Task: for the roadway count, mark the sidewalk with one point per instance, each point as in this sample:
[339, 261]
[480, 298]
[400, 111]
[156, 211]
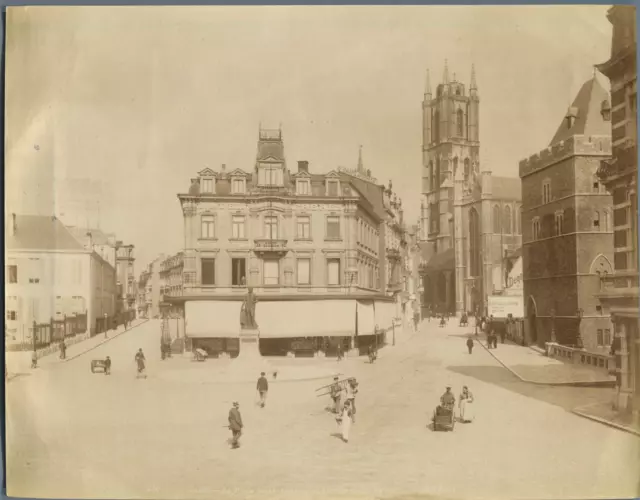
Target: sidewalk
[531, 366]
[19, 362]
[605, 414]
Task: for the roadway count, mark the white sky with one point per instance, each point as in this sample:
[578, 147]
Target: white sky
[141, 98]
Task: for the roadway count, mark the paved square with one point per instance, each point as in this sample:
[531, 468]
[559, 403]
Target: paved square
[74, 434]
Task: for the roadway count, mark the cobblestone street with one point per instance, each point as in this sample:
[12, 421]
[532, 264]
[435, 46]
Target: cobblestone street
[74, 434]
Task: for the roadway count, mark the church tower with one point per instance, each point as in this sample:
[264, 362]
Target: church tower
[450, 153]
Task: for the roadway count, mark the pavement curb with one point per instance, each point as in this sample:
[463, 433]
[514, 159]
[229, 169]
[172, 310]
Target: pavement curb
[104, 341]
[578, 411]
[535, 382]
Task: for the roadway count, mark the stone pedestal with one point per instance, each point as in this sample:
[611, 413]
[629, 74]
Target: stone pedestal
[249, 346]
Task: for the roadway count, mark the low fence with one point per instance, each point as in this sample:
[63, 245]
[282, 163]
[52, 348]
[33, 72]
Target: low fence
[43, 335]
[602, 362]
[106, 323]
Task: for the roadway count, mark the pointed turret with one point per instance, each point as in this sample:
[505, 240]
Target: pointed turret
[427, 88]
[473, 87]
[360, 164]
[445, 77]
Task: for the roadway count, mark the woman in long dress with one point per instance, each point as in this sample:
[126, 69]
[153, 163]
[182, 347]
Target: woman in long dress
[466, 406]
[345, 420]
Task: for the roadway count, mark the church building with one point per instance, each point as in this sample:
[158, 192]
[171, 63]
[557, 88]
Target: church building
[470, 219]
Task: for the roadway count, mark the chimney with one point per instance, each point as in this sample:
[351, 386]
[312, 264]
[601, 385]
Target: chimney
[14, 224]
[303, 166]
[224, 167]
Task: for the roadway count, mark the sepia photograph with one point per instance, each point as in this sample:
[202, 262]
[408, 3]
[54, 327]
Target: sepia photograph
[321, 252]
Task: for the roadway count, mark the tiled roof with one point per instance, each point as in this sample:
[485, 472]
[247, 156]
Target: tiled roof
[588, 120]
[40, 232]
[506, 188]
[370, 191]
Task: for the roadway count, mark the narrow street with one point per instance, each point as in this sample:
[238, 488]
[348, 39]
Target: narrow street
[163, 435]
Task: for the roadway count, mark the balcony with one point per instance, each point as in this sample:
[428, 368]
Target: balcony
[619, 284]
[393, 254]
[264, 246]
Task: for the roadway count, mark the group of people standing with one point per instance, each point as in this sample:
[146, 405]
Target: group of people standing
[466, 412]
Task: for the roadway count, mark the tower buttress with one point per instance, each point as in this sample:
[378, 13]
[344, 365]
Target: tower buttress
[474, 108]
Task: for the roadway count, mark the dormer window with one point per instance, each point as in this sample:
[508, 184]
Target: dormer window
[333, 187]
[207, 184]
[303, 187]
[270, 175]
[238, 185]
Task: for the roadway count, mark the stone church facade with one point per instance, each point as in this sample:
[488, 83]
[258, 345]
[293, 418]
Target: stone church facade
[470, 219]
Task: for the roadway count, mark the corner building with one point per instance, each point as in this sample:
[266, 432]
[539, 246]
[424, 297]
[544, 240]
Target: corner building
[619, 294]
[312, 247]
[470, 219]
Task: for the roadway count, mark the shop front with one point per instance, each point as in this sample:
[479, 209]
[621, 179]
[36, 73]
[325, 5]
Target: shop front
[213, 326]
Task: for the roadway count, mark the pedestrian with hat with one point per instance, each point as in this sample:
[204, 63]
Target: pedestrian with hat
[336, 392]
[235, 425]
[262, 388]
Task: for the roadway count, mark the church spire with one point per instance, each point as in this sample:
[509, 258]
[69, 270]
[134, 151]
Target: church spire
[360, 165]
[474, 86]
[427, 87]
[445, 78]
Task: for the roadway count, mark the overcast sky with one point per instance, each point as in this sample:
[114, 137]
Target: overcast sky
[140, 99]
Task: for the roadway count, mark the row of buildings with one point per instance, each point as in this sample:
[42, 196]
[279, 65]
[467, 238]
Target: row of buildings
[54, 271]
[327, 254]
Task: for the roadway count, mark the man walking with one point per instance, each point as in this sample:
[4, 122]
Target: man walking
[339, 349]
[63, 350]
[262, 387]
[107, 366]
[470, 345]
[235, 425]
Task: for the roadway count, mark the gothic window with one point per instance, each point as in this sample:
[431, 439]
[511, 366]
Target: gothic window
[507, 219]
[436, 127]
[496, 220]
[460, 123]
[474, 243]
[605, 220]
[466, 169]
[559, 222]
[546, 192]
[535, 229]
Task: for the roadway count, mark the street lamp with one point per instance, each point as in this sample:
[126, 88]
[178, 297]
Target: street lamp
[106, 330]
[553, 325]
[579, 314]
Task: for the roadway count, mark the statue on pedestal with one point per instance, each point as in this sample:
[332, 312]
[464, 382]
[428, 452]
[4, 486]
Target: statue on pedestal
[248, 311]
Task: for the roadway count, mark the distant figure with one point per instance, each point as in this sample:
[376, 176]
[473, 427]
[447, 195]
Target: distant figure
[502, 336]
[339, 351]
[235, 425]
[335, 392]
[470, 345]
[63, 350]
[140, 359]
[442, 321]
[34, 359]
[416, 319]
[466, 405]
[345, 419]
[107, 366]
[263, 388]
[350, 396]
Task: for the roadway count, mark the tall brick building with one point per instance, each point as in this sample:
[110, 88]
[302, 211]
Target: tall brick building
[470, 219]
[619, 294]
[568, 237]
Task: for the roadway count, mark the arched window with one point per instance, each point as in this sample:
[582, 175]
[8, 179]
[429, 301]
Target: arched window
[507, 220]
[436, 127]
[460, 123]
[596, 221]
[605, 220]
[496, 220]
[466, 169]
